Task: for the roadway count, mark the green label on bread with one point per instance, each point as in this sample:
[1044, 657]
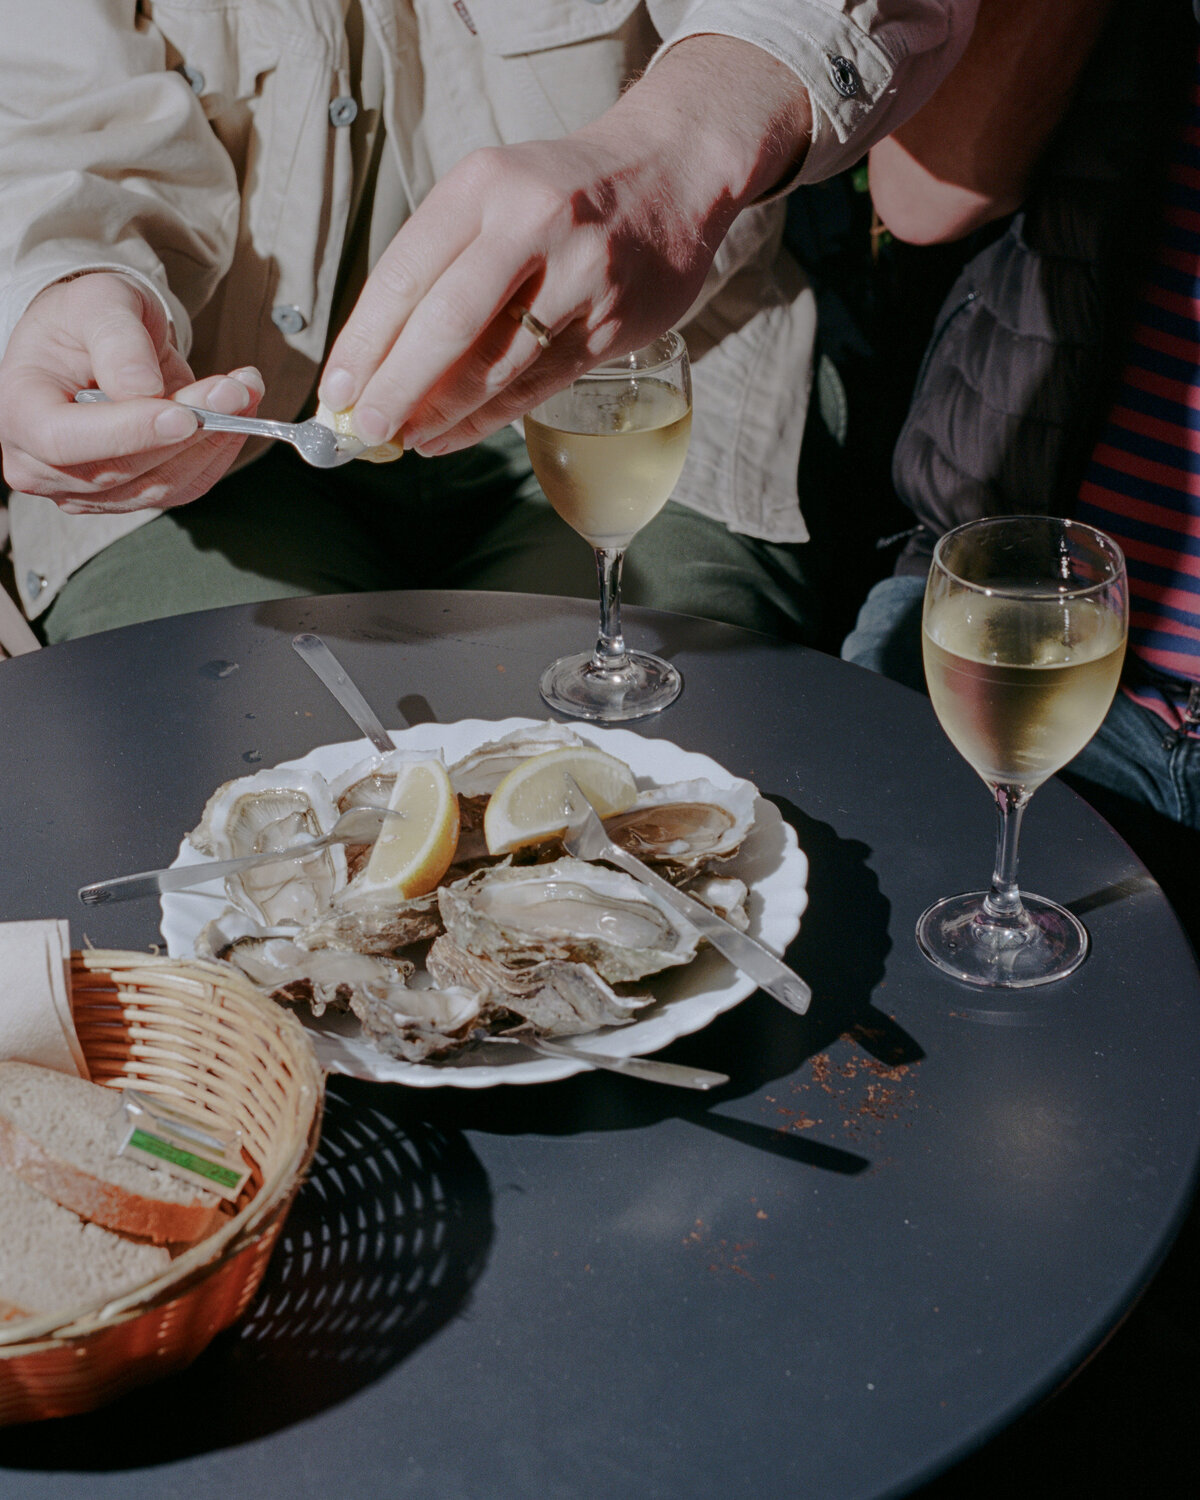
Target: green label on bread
[167, 1151]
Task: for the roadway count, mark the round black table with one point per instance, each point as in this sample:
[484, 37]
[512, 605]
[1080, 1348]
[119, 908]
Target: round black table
[908, 1218]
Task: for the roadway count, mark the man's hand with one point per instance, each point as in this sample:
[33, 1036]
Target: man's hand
[605, 237]
[138, 449]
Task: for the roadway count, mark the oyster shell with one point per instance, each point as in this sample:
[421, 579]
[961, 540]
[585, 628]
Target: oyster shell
[724, 894]
[477, 775]
[369, 783]
[554, 996]
[417, 1024]
[568, 910]
[274, 961]
[272, 810]
[365, 922]
[480, 771]
[686, 825]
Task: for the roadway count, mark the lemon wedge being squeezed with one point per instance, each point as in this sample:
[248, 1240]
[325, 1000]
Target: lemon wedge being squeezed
[415, 850]
[342, 422]
[533, 802]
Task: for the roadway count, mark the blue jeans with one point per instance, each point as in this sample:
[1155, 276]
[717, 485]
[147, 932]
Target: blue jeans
[1133, 754]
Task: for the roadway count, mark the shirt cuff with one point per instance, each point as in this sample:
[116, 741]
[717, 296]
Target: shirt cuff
[18, 294]
[862, 84]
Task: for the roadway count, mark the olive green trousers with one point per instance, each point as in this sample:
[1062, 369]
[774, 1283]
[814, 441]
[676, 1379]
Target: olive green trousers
[471, 520]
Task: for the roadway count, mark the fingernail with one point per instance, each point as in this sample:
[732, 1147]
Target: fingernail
[228, 396]
[174, 424]
[337, 389]
[371, 424]
[250, 378]
[433, 448]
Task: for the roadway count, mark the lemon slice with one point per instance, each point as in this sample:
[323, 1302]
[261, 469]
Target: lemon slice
[413, 852]
[533, 802]
[342, 422]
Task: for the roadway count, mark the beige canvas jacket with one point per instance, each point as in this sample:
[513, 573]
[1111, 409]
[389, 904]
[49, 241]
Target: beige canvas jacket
[206, 147]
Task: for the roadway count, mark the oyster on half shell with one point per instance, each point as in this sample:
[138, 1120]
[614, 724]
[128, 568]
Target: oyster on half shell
[269, 811]
[686, 826]
[554, 996]
[567, 910]
[372, 922]
[480, 771]
[417, 1024]
[273, 960]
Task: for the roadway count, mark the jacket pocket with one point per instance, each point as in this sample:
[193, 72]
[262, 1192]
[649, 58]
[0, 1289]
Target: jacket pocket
[511, 28]
[222, 50]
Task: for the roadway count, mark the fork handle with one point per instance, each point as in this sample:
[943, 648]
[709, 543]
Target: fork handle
[180, 877]
[218, 421]
[215, 420]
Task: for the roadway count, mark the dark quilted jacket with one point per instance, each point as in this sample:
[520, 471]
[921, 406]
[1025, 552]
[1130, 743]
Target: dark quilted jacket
[1020, 369]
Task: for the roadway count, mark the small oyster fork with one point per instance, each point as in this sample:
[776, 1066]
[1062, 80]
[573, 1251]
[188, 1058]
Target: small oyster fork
[316, 444]
[587, 838]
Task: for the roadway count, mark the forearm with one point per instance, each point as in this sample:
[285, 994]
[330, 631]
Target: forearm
[966, 157]
[729, 122]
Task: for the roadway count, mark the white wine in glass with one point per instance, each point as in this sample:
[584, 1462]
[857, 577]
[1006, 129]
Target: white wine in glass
[1023, 634]
[608, 451]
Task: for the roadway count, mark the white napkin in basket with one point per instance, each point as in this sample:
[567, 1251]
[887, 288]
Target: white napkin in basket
[36, 1025]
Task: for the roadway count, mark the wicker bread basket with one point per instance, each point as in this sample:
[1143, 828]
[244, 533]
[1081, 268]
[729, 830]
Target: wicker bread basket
[197, 1034]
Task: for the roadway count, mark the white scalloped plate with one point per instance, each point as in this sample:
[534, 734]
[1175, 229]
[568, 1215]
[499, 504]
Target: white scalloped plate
[686, 999]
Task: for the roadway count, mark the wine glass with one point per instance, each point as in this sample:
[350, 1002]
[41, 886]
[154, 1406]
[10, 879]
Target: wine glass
[1023, 634]
[607, 450]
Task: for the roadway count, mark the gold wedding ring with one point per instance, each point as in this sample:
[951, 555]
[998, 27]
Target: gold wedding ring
[531, 324]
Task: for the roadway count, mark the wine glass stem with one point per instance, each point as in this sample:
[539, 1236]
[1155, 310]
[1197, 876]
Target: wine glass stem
[610, 654]
[1003, 902]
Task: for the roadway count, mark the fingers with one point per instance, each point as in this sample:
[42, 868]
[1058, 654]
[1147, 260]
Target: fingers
[436, 341]
[123, 354]
[494, 385]
[103, 457]
[52, 429]
[516, 398]
[120, 326]
[404, 274]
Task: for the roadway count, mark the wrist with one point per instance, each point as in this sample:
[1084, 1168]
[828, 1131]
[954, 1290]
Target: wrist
[733, 121]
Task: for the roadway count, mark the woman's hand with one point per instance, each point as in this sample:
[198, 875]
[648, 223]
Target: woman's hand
[605, 237]
[139, 449]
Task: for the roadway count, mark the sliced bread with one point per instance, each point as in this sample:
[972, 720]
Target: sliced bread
[56, 1135]
[51, 1259]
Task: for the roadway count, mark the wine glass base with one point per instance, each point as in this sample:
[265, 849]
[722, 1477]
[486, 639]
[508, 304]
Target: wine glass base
[960, 937]
[576, 687]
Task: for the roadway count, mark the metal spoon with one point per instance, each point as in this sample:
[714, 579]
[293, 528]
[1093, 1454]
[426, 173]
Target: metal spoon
[313, 650]
[357, 825]
[316, 444]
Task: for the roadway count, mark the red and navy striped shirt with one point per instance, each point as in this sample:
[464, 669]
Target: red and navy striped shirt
[1142, 485]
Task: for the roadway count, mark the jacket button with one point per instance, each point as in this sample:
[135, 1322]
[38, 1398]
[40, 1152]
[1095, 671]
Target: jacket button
[845, 76]
[195, 77]
[34, 584]
[343, 111]
[288, 319]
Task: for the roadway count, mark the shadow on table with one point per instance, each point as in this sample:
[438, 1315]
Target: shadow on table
[382, 1247]
[661, 631]
[840, 950]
